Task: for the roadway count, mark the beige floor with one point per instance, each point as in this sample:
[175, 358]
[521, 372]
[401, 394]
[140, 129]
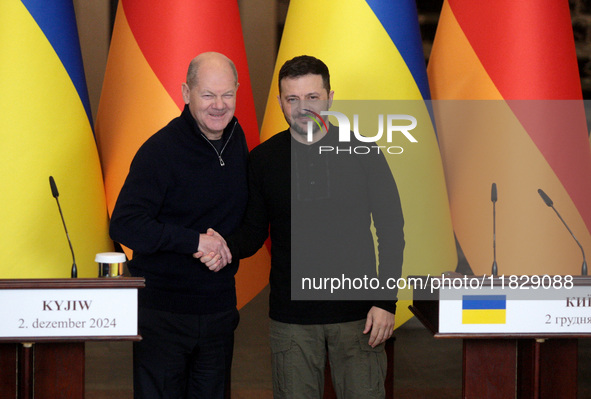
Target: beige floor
[424, 367]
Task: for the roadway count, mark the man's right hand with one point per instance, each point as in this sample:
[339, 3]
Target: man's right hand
[213, 250]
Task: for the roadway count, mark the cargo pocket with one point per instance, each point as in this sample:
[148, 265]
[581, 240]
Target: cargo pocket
[372, 369]
[281, 363]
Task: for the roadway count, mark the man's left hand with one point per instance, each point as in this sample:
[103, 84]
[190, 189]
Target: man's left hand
[381, 324]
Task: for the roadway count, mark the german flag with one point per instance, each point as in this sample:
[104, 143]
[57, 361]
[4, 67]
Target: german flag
[152, 44]
[509, 111]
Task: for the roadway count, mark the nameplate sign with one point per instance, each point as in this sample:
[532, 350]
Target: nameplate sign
[67, 313]
[516, 309]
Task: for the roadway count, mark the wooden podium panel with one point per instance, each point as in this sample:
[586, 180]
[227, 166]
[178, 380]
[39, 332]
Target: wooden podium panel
[55, 317]
[57, 370]
[489, 368]
[8, 370]
[508, 358]
[549, 368]
[519, 368]
[58, 367]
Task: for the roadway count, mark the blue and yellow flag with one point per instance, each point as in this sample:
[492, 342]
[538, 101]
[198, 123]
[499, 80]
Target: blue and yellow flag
[373, 51]
[46, 130]
[484, 309]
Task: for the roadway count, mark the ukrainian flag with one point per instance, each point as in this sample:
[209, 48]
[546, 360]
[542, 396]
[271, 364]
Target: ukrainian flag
[46, 129]
[373, 51]
[152, 44]
[484, 309]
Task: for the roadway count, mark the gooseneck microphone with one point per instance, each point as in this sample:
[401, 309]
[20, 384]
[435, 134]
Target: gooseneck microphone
[549, 202]
[56, 194]
[493, 198]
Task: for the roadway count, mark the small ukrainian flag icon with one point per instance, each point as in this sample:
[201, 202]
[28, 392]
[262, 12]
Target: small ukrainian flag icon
[484, 309]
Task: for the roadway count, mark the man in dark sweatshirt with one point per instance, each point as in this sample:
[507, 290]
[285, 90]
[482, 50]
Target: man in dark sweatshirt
[189, 176]
[318, 207]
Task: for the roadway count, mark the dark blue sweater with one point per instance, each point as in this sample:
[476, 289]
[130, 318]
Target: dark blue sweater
[177, 187]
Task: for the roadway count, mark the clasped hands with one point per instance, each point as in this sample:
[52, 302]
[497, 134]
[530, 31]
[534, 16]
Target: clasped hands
[213, 251]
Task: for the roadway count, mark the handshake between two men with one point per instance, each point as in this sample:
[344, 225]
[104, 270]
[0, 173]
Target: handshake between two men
[213, 250]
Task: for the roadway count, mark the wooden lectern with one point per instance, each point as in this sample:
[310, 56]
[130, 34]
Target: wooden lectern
[45, 324]
[520, 333]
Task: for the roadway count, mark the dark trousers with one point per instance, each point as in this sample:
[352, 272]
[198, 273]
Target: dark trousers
[299, 354]
[183, 356]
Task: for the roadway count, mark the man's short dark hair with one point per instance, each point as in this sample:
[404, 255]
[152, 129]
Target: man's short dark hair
[304, 65]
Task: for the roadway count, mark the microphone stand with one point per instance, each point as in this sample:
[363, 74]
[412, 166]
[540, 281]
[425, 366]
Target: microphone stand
[493, 197]
[55, 193]
[550, 203]
[584, 266]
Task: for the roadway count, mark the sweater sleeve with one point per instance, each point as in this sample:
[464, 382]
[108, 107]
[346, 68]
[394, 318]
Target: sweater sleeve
[388, 221]
[254, 229]
[134, 221]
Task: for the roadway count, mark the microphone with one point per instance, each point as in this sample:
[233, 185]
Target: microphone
[549, 202]
[493, 198]
[55, 193]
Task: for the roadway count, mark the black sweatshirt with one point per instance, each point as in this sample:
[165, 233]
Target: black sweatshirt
[320, 217]
[178, 186]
